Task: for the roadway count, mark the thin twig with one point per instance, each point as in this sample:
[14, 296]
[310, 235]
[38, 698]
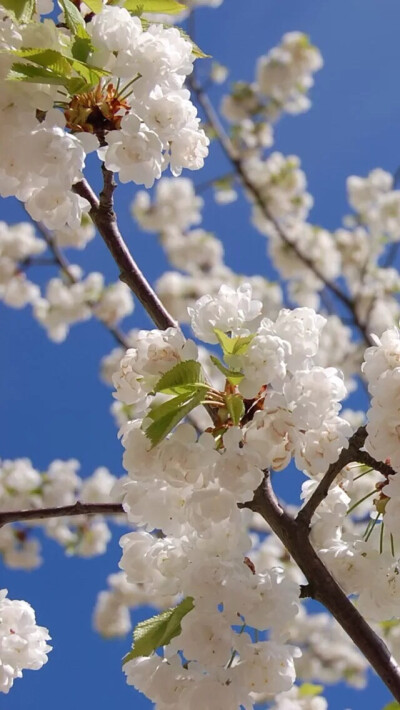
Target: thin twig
[78, 508]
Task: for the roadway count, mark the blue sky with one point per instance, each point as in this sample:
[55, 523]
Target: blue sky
[52, 402]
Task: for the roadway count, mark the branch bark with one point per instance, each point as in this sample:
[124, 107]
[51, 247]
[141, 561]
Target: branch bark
[352, 453]
[103, 216]
[323, 587]
[78, 508]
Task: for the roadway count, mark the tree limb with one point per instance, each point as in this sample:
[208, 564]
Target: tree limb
[78, 508]
[103, 216]
[352, 453]
[323, 587]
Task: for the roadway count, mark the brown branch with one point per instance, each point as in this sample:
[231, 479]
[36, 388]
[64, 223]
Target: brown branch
[78, 508]
[352, 453]
[237, 163]
[103, 216]
[323, 587]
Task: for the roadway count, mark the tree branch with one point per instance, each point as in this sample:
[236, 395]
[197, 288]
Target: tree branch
[103, 216]
[352, 453]
[323, 587]
[78, 508]
[236, 162]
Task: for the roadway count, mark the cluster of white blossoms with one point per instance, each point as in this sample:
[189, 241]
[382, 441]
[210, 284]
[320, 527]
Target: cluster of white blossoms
[140, 118]
[282, 80]
[196, 252]
[188, 485]
[18, 243]
[23, 644]
[66, 303]
[67, 300]
[22, 487]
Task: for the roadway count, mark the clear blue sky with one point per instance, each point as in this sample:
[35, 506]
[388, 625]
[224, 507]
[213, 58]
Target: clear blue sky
[52, 403]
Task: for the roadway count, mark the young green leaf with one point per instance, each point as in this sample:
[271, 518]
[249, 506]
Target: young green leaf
[233, 376]
[394, 705]
[81, 48]
[163, 423]
[22, 10]
[158, 631]
[48, 58]
[198, 53]
[167, 7]
[309, 690]
[74, 19]
[186, 376]
[233, 346]
[235, 407]
[94, 5]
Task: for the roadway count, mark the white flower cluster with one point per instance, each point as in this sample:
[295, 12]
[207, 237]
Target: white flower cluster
[158, 128]
[377, 203]
[22, 487]
[283, 78]
[31, 153]
[295, 699]
[77, 237]
[22, 642]
[111, 616]
[382, 371]
[162, 127]
[284, 75]
[175, 208]
[189, 486]
[66, 303]
[18, 244]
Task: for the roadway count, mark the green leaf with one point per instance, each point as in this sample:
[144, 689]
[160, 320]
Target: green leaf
[91, 75]
[394, 705]
[235, 407]
[81, 48]
[74, 19]
[233, 376]
[94, 5]
[233, 346]
[22, 10]
[161, 410]
[309, 689]
[48, 58]
[41, 75]
[186, 376]
[167, 7]
[158, 631]
[198, 53]
[165, 419]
